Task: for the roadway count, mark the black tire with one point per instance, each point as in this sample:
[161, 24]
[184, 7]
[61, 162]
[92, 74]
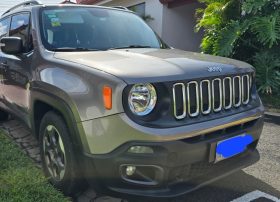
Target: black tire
[71, 182]
[4, 116]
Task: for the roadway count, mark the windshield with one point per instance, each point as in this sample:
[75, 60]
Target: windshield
[84, 28]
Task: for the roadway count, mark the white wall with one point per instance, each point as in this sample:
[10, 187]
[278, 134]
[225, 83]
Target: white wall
[178, 27]
[7, 4]
[153, 8]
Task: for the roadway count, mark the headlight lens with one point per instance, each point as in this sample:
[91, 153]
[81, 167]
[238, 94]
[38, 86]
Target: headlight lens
[142, 99]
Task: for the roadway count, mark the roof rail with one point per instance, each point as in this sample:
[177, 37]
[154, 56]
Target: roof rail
[121, 7]
[26, 3]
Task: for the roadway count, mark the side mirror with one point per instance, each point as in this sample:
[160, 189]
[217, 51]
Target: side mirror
[11, 45]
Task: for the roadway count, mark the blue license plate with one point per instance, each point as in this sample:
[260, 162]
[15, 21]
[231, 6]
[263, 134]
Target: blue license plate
[233, 146]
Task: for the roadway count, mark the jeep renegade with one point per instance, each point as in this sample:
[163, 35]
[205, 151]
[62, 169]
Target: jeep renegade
[112, 104]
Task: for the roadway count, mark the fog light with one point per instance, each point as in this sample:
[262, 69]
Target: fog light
[130, 170]
[148, 175]
[141, 150]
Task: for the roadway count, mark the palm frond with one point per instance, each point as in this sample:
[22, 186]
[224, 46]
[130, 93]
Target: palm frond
[207, 44]
[268, 75]
[253, 6]
[267, 29]
[228, 37]
[212, 16]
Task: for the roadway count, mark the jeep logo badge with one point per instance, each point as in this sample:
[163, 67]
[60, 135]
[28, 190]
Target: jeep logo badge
[215, 69]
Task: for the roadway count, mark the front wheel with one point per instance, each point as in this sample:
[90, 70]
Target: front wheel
[58, 159]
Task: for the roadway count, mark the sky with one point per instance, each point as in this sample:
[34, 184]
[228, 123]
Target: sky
[6, 4]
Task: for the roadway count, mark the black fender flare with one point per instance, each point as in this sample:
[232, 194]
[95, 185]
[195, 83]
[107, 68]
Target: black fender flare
[63, 104]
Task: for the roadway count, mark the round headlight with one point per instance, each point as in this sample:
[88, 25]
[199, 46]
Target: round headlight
[142, 99]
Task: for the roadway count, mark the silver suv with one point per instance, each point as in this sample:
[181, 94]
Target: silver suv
[112, 104]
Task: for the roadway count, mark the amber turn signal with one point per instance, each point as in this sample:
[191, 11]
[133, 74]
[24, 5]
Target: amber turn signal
[107, 97]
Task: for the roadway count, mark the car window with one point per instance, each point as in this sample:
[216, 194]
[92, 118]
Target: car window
[20, 28]
[94, 28]
[4, 27]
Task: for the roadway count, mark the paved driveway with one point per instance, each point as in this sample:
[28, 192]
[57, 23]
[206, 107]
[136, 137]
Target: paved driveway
[258, 183]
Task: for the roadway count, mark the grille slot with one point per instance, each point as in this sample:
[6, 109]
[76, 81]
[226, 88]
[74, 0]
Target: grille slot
[193, 99]
[210, 95]
[179, 99]
[217, 96]
[205, 97]
[227, 92]
[245, 89]
[237, 91]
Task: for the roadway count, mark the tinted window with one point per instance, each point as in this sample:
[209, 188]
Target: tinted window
[20, 28]
[4, 27]
[94, 28]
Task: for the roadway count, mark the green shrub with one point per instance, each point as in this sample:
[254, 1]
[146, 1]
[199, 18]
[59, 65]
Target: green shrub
[247, 30]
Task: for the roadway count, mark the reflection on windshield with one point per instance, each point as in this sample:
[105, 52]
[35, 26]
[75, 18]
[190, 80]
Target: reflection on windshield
[89, 29]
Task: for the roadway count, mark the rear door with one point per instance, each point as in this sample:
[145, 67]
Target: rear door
[18, 68]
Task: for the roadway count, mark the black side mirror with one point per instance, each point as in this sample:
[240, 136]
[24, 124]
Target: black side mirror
[11, 45]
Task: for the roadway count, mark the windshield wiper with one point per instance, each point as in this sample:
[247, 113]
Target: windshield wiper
[131, 46]
[72, 49]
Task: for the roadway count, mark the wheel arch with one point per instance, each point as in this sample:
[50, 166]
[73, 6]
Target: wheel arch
[43, 102]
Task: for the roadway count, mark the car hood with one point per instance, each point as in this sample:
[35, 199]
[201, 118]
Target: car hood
[155, 65]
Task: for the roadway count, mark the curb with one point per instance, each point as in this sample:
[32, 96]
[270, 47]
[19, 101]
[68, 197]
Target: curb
[272, 117]
[275, 114]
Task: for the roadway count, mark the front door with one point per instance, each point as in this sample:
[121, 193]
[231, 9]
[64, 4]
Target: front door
[4, 30]
[18, 68]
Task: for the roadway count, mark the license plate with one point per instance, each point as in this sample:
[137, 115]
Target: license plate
[233, 146]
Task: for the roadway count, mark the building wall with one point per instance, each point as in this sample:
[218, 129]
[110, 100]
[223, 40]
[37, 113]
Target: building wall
[178, 27]
[153, 8]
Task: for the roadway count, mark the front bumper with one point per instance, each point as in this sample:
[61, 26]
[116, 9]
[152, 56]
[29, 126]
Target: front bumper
[179, 166]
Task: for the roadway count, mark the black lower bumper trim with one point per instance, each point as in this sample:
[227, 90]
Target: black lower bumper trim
[223, 170]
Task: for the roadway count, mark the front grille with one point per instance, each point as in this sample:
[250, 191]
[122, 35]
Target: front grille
[208, 96]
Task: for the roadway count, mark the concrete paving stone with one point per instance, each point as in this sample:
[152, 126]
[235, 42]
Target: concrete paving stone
[108, 199]
[31, 144]
[11, 124]
[90, 193]
[17, 129]
[20, 133]
[84, 198]
[27, 139]
[34, 151]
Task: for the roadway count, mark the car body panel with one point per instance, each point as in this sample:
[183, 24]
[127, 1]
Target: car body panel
[120, 129]
[155, 65]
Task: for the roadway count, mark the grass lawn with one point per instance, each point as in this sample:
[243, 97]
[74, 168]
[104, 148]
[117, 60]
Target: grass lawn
[20, 179]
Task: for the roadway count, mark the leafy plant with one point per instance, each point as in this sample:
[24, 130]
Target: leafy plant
[248, 30]
[268, 75]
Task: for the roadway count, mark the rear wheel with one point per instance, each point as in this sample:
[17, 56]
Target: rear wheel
[58, 159]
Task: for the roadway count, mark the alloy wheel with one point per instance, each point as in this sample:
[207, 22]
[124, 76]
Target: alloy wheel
[54, 153]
